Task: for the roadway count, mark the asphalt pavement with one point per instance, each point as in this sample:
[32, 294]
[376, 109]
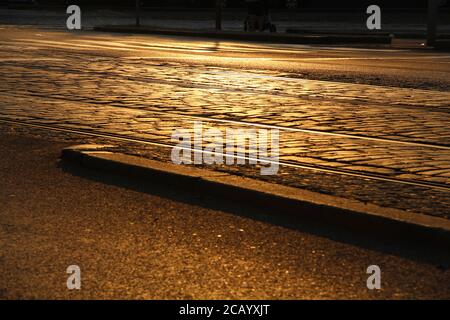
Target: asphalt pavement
[140, 241]
[381, 110]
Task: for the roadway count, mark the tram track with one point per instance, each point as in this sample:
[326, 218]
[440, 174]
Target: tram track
[183, 83]
[299, 165]
[254, 124]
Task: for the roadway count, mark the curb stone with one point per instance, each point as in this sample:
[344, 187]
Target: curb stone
[297, 203]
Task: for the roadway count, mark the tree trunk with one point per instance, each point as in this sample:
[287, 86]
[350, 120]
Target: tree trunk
[218, 14]
[432, 22]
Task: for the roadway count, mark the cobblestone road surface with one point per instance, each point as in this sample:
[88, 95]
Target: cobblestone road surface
[144, 88]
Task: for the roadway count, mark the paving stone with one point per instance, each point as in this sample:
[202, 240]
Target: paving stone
[145, 99]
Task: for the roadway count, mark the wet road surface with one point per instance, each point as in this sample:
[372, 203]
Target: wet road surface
[379, 113]
[142, 241]
[369, 111]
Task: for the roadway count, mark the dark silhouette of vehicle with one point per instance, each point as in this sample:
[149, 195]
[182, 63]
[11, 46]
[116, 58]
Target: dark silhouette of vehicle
[258, 16]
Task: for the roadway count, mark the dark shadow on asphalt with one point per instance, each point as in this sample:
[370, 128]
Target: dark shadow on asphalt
[388, 241]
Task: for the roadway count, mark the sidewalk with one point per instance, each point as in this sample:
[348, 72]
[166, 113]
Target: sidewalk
[314, 23]
[288, 38]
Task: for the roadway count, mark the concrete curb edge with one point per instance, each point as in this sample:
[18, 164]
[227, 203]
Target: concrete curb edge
[286, 38]
[311, 206]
